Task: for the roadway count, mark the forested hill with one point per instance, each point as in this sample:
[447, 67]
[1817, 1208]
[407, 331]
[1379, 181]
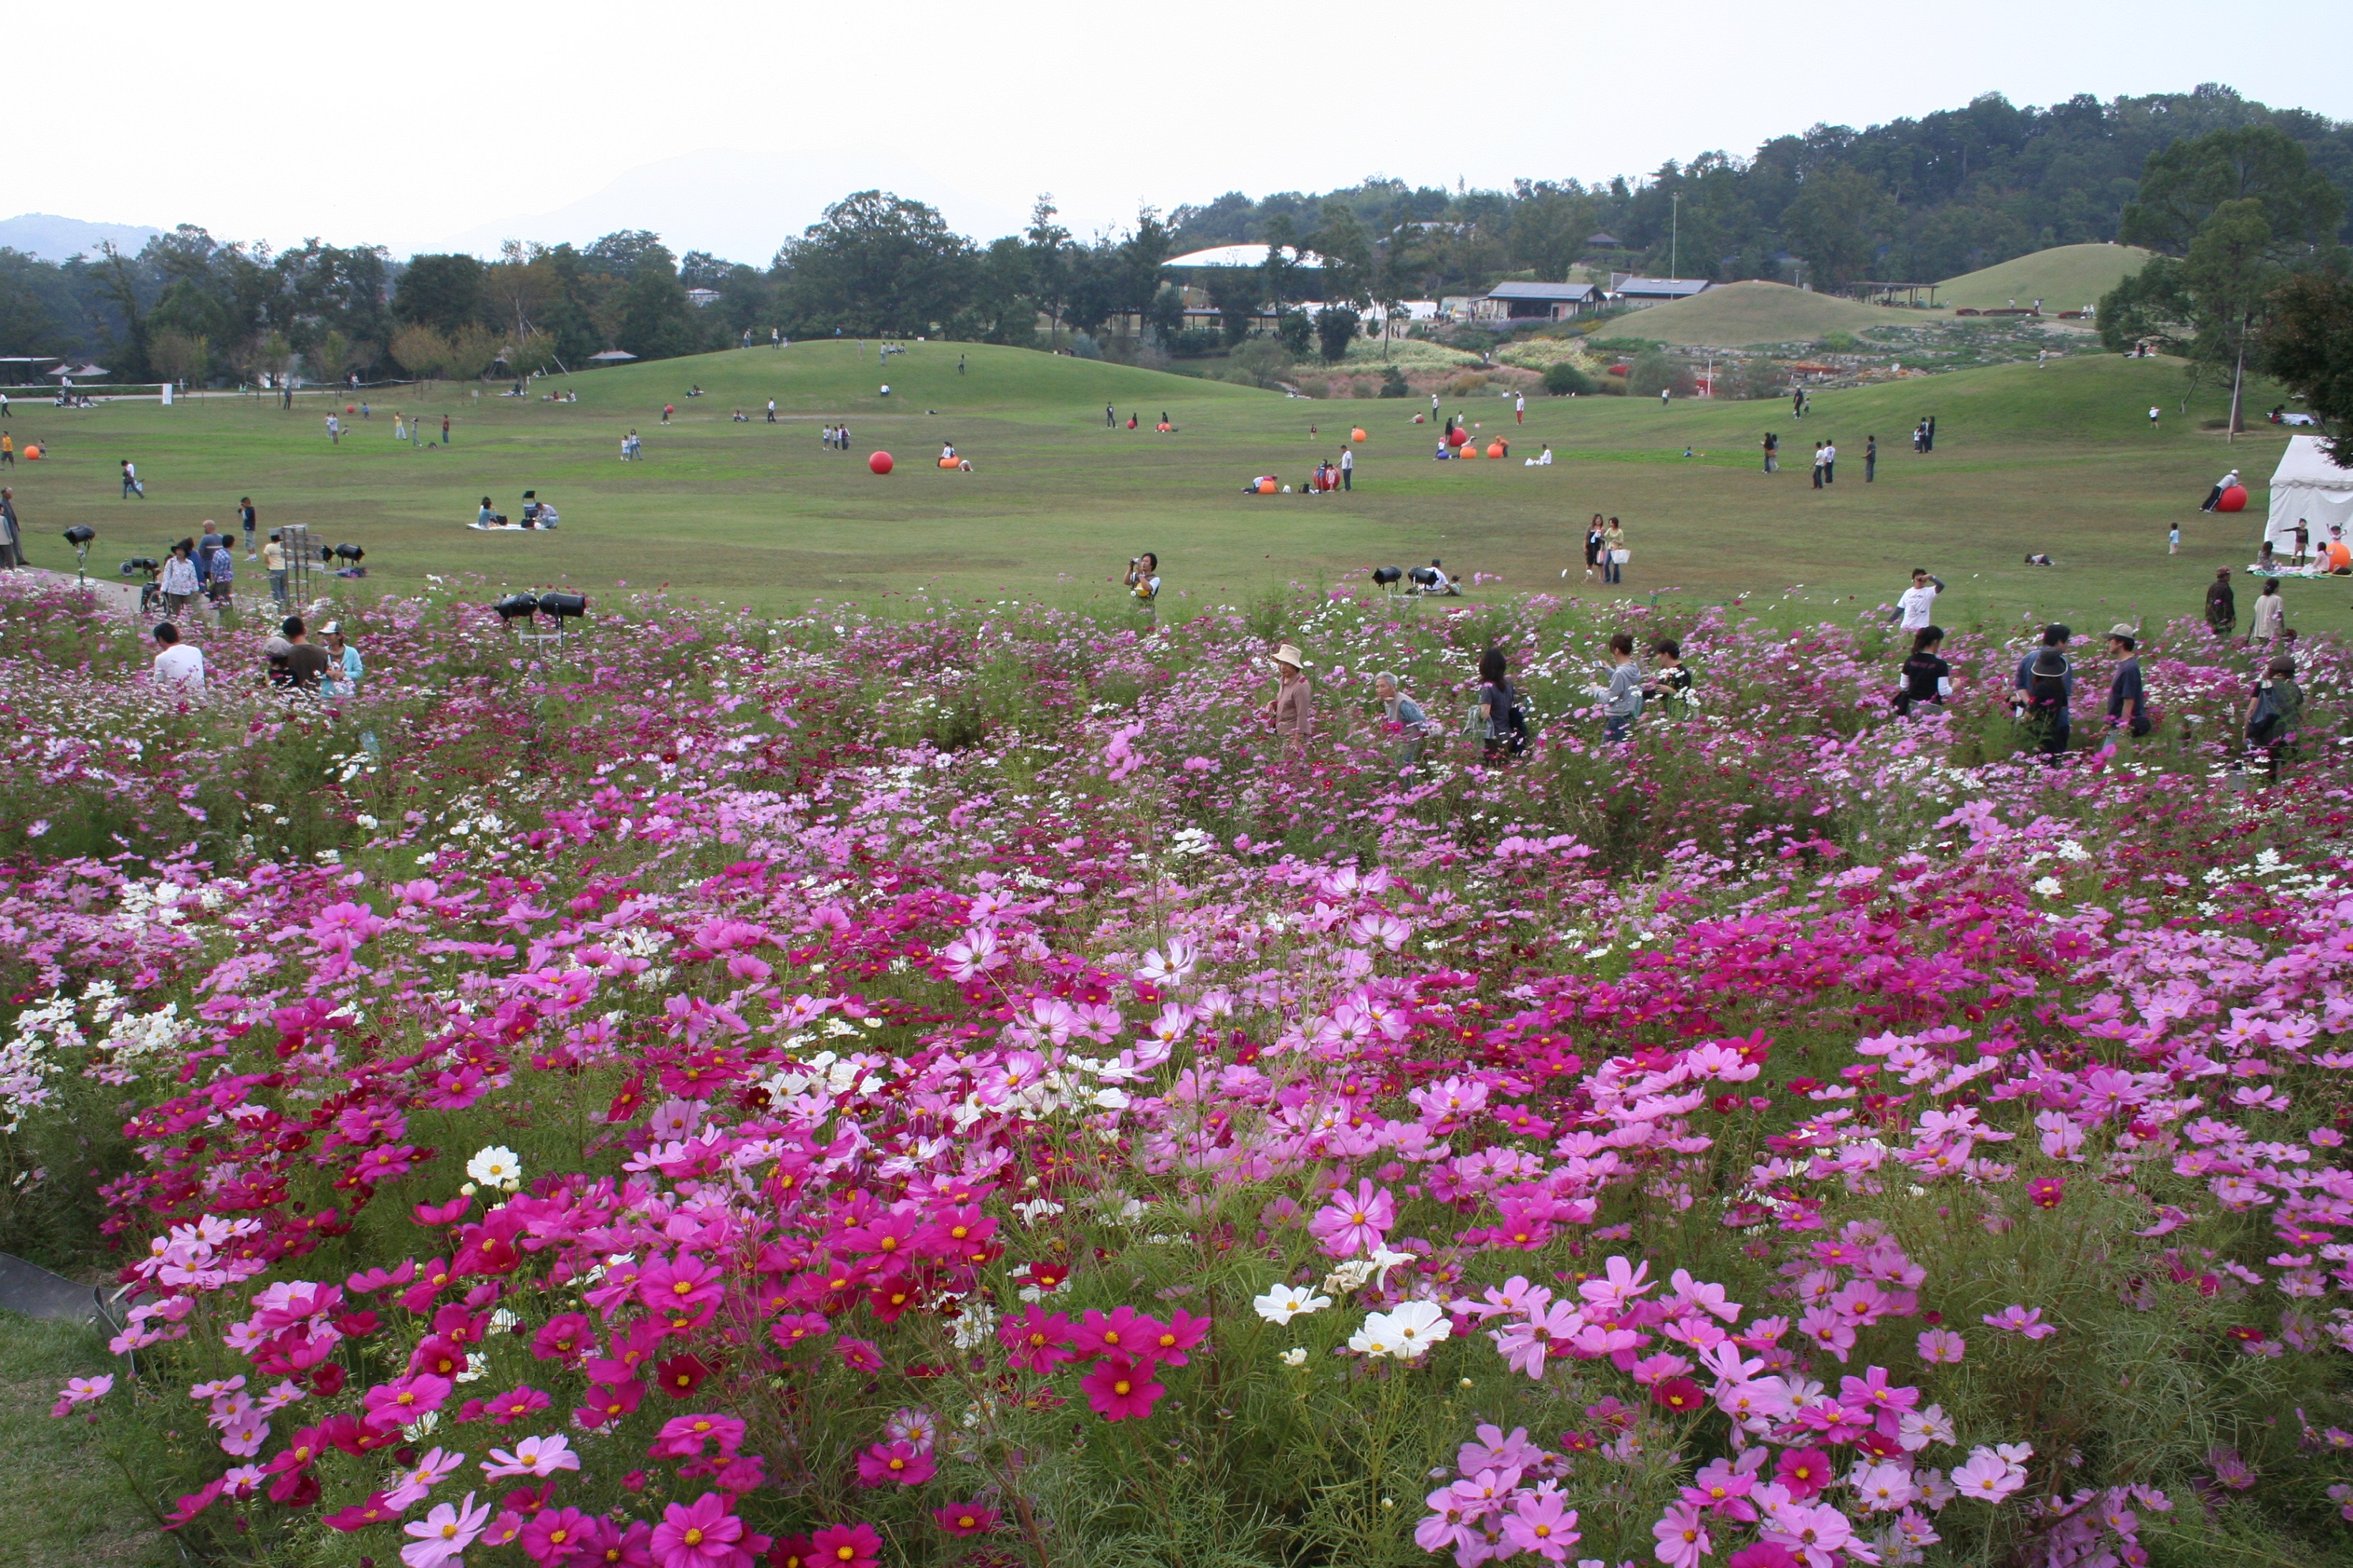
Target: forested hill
[1920, 199]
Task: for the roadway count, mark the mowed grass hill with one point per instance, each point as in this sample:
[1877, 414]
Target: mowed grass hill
[1741, 315]
[2064, 278]
[2060, 459]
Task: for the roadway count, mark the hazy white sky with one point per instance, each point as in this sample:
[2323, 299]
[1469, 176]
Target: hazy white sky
[727, 127]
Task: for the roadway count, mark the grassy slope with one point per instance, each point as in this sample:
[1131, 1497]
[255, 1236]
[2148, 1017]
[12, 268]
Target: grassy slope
[1736, 314]
[2064, 278]
[2058, 460]
[65, 1505]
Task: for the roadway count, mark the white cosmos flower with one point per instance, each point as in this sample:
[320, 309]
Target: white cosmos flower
[1295, 1356]
[496, 1166]
[1405, 1333]
[1285, 1302]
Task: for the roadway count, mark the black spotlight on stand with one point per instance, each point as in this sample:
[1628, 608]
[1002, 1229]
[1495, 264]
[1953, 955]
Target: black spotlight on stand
[349, 554]
[80, 537]
[562, 608]
[151, 592]
[516, 608]
[1386, 578]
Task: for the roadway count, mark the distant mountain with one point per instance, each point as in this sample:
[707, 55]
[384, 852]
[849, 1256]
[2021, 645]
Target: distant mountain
[54, 239]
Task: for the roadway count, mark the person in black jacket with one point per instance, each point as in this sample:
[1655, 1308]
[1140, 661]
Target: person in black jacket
[1927, 676]
[2221, 604]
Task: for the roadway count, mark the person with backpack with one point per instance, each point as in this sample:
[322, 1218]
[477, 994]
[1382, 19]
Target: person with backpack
[2050, 683]
[1622, 699]
[2274, 714]
[1926, 678]
[2127, 699]
[1504, 724]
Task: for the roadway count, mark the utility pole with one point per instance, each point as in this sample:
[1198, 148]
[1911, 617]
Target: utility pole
[1674, 234]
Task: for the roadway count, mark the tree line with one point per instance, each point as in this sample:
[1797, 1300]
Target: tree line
[1911, 200]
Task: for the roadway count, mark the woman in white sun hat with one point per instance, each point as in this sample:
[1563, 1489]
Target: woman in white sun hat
[1293, 708]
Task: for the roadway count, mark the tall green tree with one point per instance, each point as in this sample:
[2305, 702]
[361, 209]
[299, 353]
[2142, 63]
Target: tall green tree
[2243, 207]
[443, 292]
[1049, 263]
[1836, 223]
[878, 263]
[2310, 348]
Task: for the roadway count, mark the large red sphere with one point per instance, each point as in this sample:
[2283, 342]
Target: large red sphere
[2233, 500]
[880, 462]
[1456, 436]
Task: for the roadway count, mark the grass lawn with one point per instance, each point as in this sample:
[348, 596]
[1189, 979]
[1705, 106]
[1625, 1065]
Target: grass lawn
[2059, 459]
[66, 1503]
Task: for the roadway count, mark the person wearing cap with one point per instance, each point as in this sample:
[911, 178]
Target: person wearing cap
[2045, 701]
[344, 664]
[2128, 702]
[2221, 604]
[2056, 635]
[1293, 708]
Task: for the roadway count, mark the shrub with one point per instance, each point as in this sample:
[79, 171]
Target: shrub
[1563, 379]
[1393, 383]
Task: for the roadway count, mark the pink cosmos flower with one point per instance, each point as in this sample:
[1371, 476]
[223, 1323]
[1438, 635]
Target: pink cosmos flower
[2046, 1192]
[846, 1546]
[1355, 1223]
[967, 1518]
[1815, 1535]
[1037, 1340]
[1122, 1331]
[1119, 1389]
[533, 1456]
[1986, 1477]
[702, 1534]
[1942, 1347]
[859, 1355]
[1542, 1522]
[1804, 1471]
[1525, 1342]
[442, 1535]
[400, 1402]
[1683, 1537]
[2027, 1321]
[555, 1535]
[884, 1463]
[686, 1281]
[82, 1390]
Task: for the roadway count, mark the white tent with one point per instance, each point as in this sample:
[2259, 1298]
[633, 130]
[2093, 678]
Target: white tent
[2308, 487]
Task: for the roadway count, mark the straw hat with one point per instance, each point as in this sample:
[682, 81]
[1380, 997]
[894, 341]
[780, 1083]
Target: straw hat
[2050, 661]
[1291, 655]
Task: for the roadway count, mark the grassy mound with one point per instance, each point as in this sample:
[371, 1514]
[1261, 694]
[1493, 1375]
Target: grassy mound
[1737, 314]
[2064, 278]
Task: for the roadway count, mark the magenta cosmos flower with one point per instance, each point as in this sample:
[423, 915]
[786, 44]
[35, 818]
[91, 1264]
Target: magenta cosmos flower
[1119, 1389]
[1354, 1222]
[846, 1546]
[887, 1462]
[702, 1534]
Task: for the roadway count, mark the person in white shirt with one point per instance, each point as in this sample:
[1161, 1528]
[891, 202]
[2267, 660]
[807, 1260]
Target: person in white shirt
[179, 579]
[1829, 462]
[176, 664]
[1347, 468]
[1917, 605]
[1520, 407]
[2214, 496]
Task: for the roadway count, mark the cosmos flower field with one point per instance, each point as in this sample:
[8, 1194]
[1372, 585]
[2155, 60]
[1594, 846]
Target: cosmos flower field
[952, 1089]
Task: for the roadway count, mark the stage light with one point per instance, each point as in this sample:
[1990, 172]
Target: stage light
[349, 551]
[1385, 576]
[141, 564]
[80, 533]
[517, 607]
[563, 605]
